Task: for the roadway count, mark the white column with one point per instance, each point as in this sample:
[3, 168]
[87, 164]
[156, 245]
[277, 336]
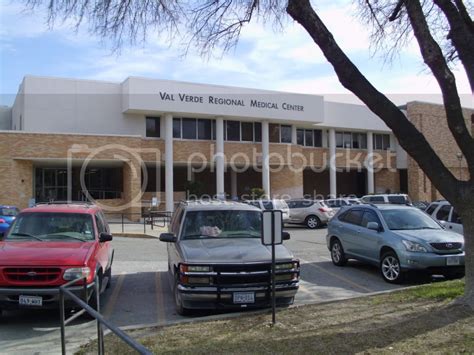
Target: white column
[265, 158]
[233, 183]
[169, 188]
[293, 135]
[370, 162]
[332, 163]
[219, 158]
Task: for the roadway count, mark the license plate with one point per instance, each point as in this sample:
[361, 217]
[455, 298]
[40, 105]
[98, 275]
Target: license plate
[453, 260]
[30, 301]
[244, 297]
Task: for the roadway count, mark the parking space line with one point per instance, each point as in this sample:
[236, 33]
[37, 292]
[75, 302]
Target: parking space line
[342, 278]
[113, 298]
[160, 304]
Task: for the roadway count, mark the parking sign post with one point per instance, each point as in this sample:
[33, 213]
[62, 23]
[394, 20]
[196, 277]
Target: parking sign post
[272, 235]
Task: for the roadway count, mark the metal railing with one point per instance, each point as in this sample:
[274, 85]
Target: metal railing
[153, 219]
[86, 308]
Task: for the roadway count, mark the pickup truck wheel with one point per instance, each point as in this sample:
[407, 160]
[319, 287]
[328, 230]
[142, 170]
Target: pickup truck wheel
[178, 302]
[313, 222]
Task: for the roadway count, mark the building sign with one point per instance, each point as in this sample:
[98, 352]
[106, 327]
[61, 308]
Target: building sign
[216, 100]
[162, 96]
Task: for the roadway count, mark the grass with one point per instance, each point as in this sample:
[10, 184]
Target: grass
[418, 320]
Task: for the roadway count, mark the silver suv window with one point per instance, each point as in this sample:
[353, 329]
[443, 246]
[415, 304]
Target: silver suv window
[443, 213]
[431, 208]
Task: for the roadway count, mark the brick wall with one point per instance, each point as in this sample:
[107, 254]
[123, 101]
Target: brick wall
[430, 119]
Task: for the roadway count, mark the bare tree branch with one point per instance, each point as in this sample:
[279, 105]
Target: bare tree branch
[434, 58]
[461, 35]
[351, 78]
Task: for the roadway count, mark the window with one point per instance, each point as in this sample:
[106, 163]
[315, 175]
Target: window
[258, 131]
[300, 136]
[189, 128]
[308, 137]
[153, 127]
[318, 138]
[455, 218]
[369, 216]
[359, 141]
[353, 217]
[232, 130]
[339, 140]
[376, 199]
[431, 208]
[347, 140]
[381, 141]
[176, 127]
[100, 224]
[247, 131]
[204, 129]
[268, 205]
[443, 213]
[285, 133]
[274, 133]
[398, 200]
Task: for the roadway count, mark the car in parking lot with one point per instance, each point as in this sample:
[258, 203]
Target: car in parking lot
[216, 258]
[396, 239]
[443, 212]
[7, 216]
[336, 203]
[398, 199]
[50, 245]
[274, 204]
[312, 213]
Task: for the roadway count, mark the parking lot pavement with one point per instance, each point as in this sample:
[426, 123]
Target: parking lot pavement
[140, 292]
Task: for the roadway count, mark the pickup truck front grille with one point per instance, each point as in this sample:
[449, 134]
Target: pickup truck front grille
[247, 275]
[23, 274]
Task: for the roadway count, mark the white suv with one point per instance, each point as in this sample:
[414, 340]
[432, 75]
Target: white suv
[274, 204]
[309, 212]
[443, 212]
[395, 199]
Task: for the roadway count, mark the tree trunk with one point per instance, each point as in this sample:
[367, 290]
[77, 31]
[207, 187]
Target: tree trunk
[468, 224]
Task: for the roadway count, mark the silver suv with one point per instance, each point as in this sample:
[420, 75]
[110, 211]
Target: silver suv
[216, 258]
[312, 213]
[396, 239]
[444, 213]
[275, 204]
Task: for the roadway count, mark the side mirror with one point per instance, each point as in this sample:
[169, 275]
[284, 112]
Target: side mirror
[285, 235]
[168, 237]
[104, 237]
[443, 224]
[374, 226]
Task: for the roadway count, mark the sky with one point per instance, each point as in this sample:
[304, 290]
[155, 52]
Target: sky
[285, 60]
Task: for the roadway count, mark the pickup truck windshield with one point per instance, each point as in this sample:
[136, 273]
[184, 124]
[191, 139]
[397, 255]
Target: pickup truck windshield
[50, 226]
[222, 224]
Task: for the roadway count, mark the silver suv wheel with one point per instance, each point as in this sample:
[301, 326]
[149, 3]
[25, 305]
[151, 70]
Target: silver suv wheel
[390, 268]
[313, 222]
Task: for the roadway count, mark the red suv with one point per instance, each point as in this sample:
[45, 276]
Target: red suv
[50, 245]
